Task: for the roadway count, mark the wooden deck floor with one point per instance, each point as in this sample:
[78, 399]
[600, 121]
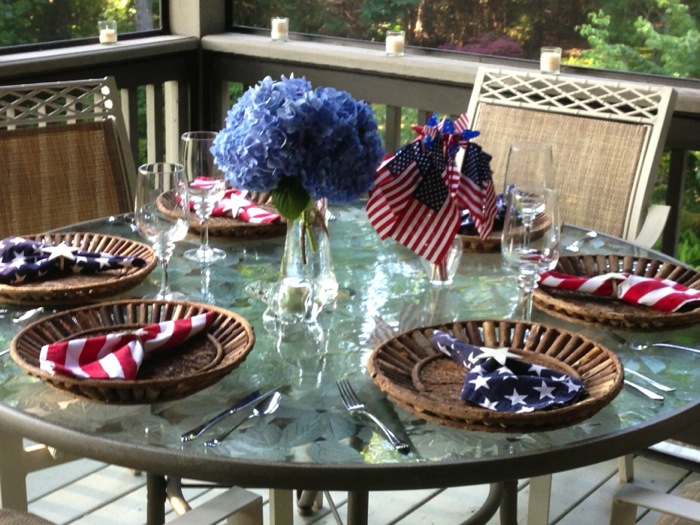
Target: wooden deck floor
[87, 492]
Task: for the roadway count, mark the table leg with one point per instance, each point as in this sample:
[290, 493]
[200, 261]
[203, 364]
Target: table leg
[156, 495]
[358, 507]
[13, 474]
[281, 507]
[509, 503]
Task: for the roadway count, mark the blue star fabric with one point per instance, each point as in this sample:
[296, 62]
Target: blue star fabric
[498, 380]
[24, 260]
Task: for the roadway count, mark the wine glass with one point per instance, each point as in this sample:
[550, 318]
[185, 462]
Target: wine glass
[207, 185]
[530, 238]
[162, 213]
[529, 164]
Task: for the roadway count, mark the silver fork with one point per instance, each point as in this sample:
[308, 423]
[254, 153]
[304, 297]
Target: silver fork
[643, 346]
[354, 405]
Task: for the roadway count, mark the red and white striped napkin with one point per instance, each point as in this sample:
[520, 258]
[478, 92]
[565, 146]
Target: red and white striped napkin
[234, 204]
[661, 294]
[118, 355]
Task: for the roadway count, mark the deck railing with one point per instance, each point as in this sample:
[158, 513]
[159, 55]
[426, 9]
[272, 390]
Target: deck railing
[181, 83]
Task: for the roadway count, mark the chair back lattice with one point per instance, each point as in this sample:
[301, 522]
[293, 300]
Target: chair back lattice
[607, 139]
[64, 153]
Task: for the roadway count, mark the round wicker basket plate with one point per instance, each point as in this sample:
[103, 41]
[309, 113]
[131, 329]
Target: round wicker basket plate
[422, 380]
[75, 288]
[232, 227]
[614, 313]
[165, 376]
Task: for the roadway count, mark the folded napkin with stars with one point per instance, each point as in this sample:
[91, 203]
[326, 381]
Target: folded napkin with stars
[235, 204]
[661, 294]
[24, 260]
[118, 355]
[499, 380]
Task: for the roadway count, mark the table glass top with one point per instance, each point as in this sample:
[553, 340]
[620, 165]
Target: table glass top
[381, 283]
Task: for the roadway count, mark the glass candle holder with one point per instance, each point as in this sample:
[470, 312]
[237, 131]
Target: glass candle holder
[395, 43]
[279, 29]
[107, 31]
[550, 60]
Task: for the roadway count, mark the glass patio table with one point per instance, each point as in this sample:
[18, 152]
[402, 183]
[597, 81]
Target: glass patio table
[312, 442]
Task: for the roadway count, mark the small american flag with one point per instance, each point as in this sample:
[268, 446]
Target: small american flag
[24, 260]
[119, 355]
[419, 191]
[499, 380]
[476, 193]
[411, 202]
[657, 293]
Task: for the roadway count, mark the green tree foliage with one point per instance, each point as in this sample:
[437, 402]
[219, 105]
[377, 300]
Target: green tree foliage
[664, 40]
[37, 21]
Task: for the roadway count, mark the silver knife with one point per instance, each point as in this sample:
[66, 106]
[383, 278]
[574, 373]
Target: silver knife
[253, 397]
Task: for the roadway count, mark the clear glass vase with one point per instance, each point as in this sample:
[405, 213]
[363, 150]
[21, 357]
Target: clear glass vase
[442, 274]
[307, 283]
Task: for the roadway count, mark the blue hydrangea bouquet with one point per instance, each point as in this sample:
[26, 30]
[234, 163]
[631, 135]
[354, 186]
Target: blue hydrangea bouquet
[300, 144]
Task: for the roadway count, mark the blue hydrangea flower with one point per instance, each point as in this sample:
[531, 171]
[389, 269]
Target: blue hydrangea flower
[285, 128]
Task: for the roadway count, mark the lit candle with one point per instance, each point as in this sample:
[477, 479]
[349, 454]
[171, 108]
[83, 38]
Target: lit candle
[108, 31]
[280, 29]
[395, 43]
[550, 60]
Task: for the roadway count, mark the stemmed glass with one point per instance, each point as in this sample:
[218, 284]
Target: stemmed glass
[530, 239]
[529, 164]
[207, 187]
[162, 213]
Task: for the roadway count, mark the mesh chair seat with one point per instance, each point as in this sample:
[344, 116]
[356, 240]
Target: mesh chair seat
[64, 154]
[607, 140]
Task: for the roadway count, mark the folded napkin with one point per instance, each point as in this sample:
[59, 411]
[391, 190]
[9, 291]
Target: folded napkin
[661, 294]
[498, 380]
[234, 204]
[118, 355]
[23, 260]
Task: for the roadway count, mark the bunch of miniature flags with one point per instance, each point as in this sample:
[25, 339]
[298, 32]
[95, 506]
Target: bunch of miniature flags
[421, 189]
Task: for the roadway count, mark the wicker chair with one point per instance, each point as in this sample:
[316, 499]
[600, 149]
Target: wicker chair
[607, 139]
[65, 155]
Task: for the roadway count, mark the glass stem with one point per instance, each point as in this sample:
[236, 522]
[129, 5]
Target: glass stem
[164, 283]
[204, 236]
[527, 283]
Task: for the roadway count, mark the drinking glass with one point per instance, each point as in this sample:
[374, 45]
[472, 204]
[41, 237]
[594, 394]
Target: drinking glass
[162, 213]
[530, 238]
[206, 185]
[529, 164]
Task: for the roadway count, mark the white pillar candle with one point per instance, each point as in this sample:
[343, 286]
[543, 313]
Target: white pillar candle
[550, 60]
[108, 31]
[280, 29]
[395, 43]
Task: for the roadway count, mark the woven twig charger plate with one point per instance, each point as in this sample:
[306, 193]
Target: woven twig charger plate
[163, 376]
[232, 227]
[492, 242]
[605, 311]
[80, 289]
[425, 382]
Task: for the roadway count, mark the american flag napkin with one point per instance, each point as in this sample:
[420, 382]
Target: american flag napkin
[24, 260]
[234, 204]
[419, 190]
[498, 380]
[661, 294]
[118, 355]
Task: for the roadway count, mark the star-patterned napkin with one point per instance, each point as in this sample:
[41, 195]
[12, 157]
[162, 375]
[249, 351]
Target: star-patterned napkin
[118, 356]
[24, 260]
[499, 380]
[234, 204]
[661, 294]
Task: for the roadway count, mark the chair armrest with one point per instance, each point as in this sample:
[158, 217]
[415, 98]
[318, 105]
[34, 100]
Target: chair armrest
[654, 225]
